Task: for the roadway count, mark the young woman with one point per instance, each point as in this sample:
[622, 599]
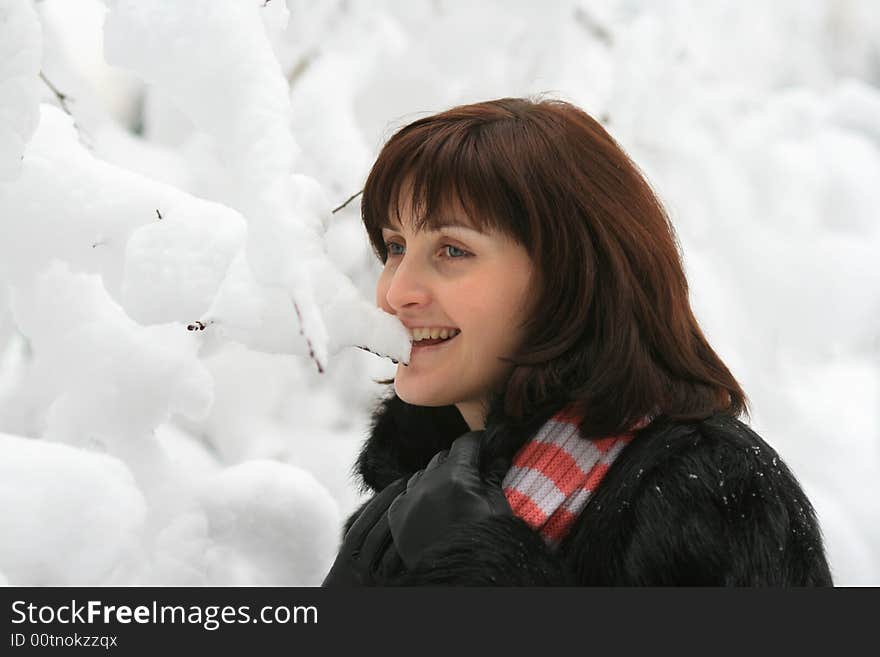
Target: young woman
[562, 419]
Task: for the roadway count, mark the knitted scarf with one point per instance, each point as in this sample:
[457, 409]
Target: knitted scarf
[554, 474]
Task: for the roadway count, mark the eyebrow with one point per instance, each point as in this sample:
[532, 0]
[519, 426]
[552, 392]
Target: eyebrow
[444, 223]
[456, 224]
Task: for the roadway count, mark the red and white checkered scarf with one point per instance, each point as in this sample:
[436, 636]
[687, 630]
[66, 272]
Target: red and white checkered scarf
[555, 473]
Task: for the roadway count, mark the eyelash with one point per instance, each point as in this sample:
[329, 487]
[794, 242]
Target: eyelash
[446, 247]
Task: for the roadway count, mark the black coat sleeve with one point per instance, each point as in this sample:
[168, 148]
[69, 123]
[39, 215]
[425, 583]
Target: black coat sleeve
[354, 516]
[498, 551]
[701, 504]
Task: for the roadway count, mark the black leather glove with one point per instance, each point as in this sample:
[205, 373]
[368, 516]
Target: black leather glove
[450, 490]
[367, 555]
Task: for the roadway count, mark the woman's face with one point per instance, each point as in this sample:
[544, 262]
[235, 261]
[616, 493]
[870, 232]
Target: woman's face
[467, 286]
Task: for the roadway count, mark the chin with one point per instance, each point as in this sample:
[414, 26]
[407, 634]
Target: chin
[418, 397]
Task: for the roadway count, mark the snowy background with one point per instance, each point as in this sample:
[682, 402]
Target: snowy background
[166, 165]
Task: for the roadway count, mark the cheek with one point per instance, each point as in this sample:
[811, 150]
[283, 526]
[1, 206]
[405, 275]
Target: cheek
[491, 314]
[504, 313]
[382, 291]
[474, 302]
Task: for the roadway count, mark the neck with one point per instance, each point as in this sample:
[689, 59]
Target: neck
[474, 414]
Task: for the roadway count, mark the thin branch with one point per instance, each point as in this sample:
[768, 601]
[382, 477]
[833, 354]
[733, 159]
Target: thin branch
[593, 26]
[308, 341]
[84, 137]
[300, 67]
[376, 353]
[347, 201]
[62, 99]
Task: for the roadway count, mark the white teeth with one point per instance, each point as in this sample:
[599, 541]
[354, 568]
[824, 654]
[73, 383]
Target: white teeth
[433, 333]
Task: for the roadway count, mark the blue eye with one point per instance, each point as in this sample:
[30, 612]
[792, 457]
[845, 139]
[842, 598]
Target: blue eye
[395, 248]
[455, 252]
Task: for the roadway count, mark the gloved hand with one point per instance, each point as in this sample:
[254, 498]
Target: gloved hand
[367, 555]
[448, 491]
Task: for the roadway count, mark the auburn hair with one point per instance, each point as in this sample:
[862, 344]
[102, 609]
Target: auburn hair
[611, 329]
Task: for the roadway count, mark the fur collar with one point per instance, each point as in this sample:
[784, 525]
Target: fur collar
[404, 437]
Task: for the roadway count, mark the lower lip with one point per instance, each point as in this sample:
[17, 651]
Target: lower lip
[419, 346]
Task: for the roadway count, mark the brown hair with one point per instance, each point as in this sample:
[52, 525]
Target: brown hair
[612, 328]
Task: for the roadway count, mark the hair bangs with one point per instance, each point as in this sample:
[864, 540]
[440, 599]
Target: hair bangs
[434, 176]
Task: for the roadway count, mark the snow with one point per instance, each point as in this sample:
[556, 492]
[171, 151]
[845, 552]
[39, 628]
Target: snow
[193, 183]
[20, 52]
[69, 515]
[227, 47]
[270, 524]
[98, 377]
[175, 265]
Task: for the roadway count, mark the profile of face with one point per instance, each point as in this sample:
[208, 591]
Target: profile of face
[463, 296]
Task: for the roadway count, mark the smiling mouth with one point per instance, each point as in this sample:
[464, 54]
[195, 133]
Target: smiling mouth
[430, 342]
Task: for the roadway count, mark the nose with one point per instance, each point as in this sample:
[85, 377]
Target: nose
[404, 286]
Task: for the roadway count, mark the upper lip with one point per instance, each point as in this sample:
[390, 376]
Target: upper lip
[414, 325]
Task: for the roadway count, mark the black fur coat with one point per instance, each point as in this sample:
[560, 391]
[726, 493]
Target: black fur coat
[704, 503]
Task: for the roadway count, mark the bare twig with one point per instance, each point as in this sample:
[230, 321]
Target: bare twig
[199, 325]
[593, 26]
[376, 353]
[347, 201]
[301, 66]
[308, 342]
[62, 98]
[84, 137]
[158, 213]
